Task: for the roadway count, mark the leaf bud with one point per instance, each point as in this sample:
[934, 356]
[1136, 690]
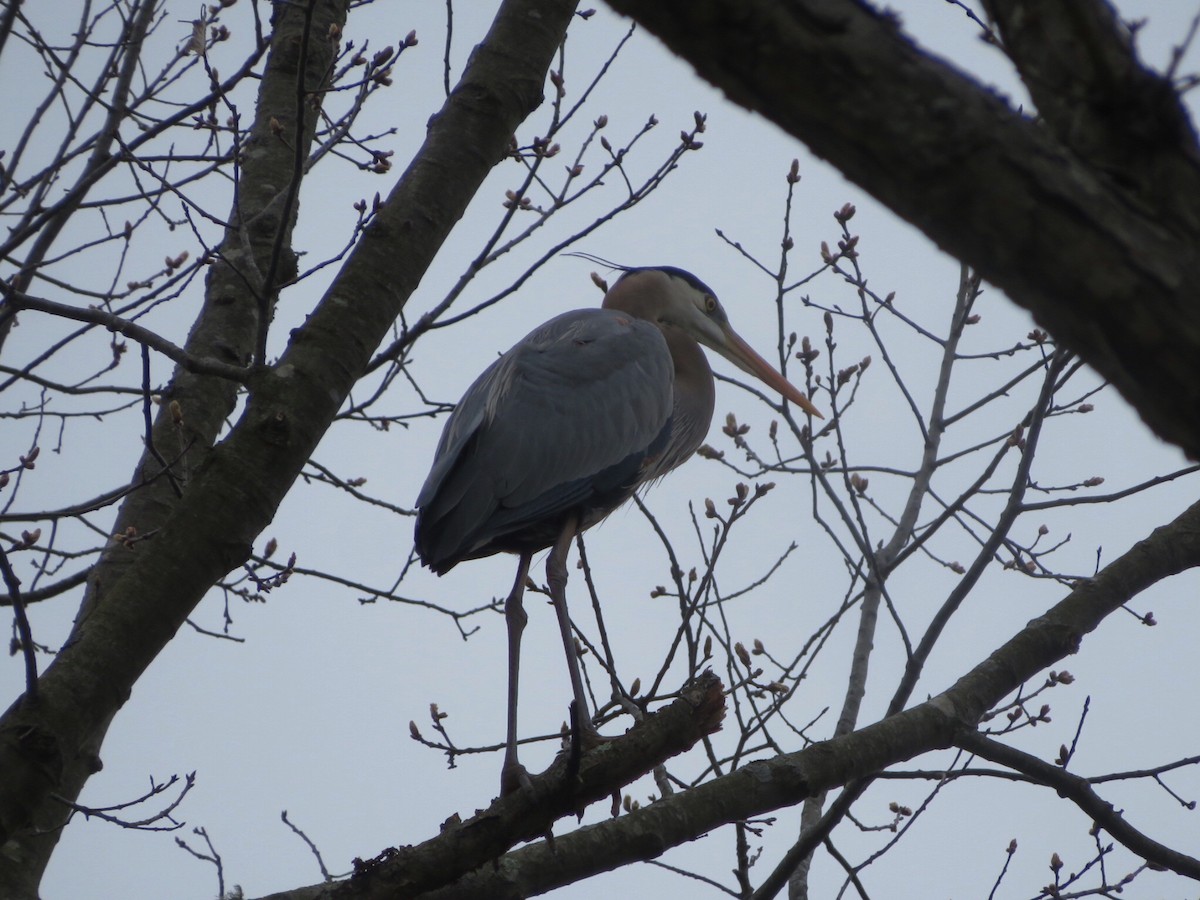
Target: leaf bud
[742, 654]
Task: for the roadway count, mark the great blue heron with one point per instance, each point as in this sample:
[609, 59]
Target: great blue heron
[564, 427]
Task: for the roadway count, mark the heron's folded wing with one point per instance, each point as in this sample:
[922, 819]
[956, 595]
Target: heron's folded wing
[569, 412]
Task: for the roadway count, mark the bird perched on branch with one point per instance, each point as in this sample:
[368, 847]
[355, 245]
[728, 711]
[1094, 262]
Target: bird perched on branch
[564, 428]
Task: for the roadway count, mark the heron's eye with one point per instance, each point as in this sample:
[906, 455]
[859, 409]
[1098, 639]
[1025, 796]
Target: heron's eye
[710, 304]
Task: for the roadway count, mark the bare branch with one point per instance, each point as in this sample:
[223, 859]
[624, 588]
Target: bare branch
[19, 301]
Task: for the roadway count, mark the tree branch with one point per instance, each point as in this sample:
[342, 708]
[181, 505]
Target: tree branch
[529, 813]
[131, 330]
[788, 779]
[13, 583]
[230, 499]
[1080, 792]
[1078, 61]
[1091, 256]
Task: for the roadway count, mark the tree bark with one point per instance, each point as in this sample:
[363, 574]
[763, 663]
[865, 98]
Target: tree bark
[1096, 238]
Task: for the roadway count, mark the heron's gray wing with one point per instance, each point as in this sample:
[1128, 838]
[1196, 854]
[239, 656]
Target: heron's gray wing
[568, 413]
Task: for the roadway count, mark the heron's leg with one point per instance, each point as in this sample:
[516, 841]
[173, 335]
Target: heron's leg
[513, 774]
[556, 579]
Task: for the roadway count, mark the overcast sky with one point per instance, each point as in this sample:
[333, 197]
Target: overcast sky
[310, 712]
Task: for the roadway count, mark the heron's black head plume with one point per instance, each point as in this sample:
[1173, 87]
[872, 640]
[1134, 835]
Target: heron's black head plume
[673, 271]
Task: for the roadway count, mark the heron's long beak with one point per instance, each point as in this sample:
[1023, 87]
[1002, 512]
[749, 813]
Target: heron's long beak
[742, 355]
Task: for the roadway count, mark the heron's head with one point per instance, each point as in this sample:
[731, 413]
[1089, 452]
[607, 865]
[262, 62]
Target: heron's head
[674, 299]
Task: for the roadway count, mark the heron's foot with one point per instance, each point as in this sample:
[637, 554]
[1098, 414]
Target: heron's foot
[583, 735]
[513, 777]
[590, 738]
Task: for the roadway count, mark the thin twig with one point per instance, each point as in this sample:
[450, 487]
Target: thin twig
[13, 583]
[19, 301]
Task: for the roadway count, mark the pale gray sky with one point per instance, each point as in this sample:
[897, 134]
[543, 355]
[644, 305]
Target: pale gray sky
[310, 714]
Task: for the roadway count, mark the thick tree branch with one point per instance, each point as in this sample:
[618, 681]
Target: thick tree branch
[48, 755]
[529, 813]
[1077, 60]
[1092, 257]
[236, 492]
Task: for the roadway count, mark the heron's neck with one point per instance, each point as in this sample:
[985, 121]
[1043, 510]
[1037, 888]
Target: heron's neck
[642, 298]
[694, 392]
